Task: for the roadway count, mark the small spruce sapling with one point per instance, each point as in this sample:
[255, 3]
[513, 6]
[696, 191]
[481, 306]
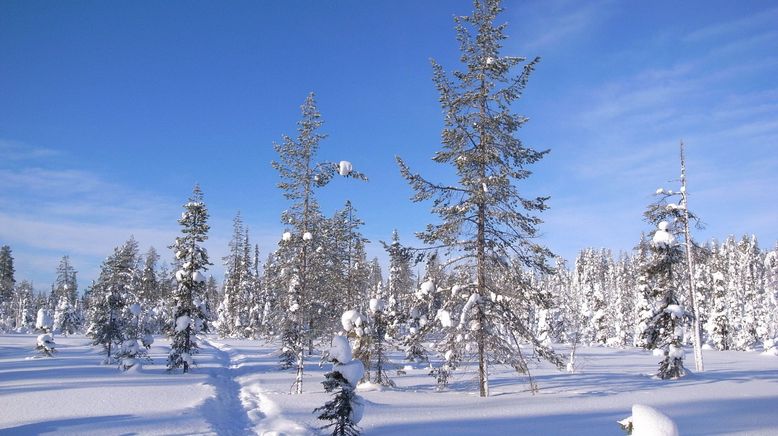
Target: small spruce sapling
[46, 345]
[345, 409]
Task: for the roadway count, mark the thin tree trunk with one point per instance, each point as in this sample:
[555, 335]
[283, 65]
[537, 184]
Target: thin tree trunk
[696, 335]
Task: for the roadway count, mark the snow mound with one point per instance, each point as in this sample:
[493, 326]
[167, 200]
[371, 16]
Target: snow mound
[307, 236]
[182, 322]
[45, 340]
[351, 319]
[647, 421]
[286, 237]
[344, 168]
[340, 350]
[198, 277]
[444, 316]
[351, 371]
[377, 305]
[663, 238]
[357, 409]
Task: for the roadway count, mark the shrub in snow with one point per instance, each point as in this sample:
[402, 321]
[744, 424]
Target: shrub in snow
[130, 352]
[345, 409]
[45, 345]
[647, 421]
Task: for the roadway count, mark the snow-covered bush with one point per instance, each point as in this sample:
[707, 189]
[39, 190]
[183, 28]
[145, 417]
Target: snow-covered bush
[345, 409]
[45, 345]
[43, 321]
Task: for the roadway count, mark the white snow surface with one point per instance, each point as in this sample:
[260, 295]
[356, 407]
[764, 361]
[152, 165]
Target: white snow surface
[237, 389]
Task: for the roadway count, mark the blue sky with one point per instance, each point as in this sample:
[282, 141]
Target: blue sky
[111, 111]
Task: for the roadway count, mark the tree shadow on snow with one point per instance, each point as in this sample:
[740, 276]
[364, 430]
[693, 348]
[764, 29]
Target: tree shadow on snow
[63, 425]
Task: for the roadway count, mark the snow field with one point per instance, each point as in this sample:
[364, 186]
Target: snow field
[237, 388]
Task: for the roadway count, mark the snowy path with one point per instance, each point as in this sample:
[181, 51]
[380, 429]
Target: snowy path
[224, 411]
[242, 406]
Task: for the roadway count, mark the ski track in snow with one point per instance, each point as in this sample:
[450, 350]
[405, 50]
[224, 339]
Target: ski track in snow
[224, 411]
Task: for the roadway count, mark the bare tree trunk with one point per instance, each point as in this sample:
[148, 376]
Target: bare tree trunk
[483, 376]
[696, 335]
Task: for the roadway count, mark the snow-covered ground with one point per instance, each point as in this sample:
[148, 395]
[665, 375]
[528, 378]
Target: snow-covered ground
[238, 389]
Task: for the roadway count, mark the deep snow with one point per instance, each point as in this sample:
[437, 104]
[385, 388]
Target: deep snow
[237, 389]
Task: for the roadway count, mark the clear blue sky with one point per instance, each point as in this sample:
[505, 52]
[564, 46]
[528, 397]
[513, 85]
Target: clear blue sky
[111, 111]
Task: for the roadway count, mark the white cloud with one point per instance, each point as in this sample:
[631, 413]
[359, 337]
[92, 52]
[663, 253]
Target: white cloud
[16, 151]
[727, 29]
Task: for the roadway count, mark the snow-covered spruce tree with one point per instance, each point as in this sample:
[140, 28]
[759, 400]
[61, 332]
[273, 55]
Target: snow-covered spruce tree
[679, 213]
[401, 282]
[484, 218]
[232, 310]
[421, 309]
[349, 250]
[7, 284]
[65, 285]
[718, 327]
[24, 314]
[771, 285]
[622, 311]
[66, 320]
[589, 280]
[380, 324]
[662, 324]
[189, 315]
[751, 327]
[108, 298]
[148, 285]
[300, 176]
[345, 409]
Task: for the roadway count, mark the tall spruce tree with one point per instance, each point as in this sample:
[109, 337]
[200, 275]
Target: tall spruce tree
[484, 218]
[300, 175]
[190, 315]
